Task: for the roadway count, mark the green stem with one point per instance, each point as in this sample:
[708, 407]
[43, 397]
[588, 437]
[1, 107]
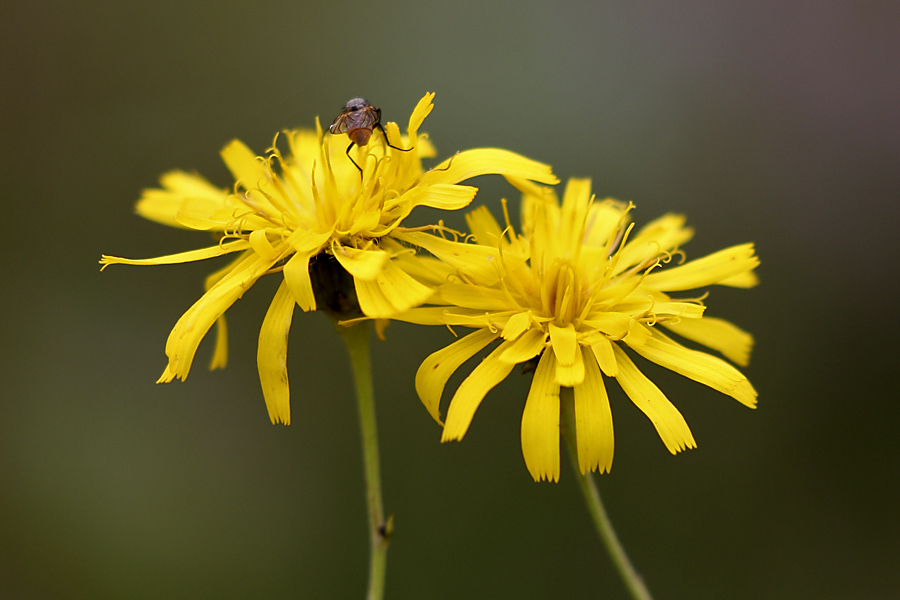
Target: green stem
[356, 339]
[591, 494]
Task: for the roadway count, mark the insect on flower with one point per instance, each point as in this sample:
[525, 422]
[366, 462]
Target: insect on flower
[357, 121]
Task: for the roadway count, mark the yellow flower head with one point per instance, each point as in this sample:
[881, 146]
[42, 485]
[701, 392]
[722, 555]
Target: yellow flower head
[572, 292]
[285, 210]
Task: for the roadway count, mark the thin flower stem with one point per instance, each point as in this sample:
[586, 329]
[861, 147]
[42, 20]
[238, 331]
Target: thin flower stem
[591, 494]
[356, 339]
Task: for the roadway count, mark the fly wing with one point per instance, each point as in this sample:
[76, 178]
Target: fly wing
[340, 125]
[350, 120]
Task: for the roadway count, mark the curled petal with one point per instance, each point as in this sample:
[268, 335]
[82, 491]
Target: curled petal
[471, 392]
[259, 241]
[487, 161]
[196, 321]
[362, 264]
[443, 196]
[435, 370]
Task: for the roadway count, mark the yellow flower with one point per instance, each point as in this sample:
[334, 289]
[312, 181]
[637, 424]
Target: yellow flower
[576, 289]
[286, 210]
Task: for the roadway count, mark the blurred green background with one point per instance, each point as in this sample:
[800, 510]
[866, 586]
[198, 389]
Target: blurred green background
[773, 122]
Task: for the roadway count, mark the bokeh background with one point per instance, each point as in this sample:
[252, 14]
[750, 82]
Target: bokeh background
[773, 122]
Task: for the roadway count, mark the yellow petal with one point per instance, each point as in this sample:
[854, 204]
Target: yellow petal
[443, 196]
[669, 424]
[304, 240]
[214, 277]
[220, 353]
[570, 366]
[362, 264]
[424, 147]
[471, 392]
[688, 310]
[296, 276]
[391, 292]
[163, 205]
[603, 222]
[473, 296]
[198, 215]
[516, 325]
[699, 366]
[709, 270]
[540, 422]
[486, 161]
[657, 237]
[425, 269]
[271, 355]
[540, 212]
[435, 370]
[422, 110]
[603, 352]
[593, 420]
[196, 321]
[729, 339]
[741, 280]
[181, 257]
[191, 185]
[525, 347]
[449, 315]
[576, 200]
[260, 243]
[571, 375]
[484, 227]
[248, 170]
[613, 324]
[564, 342]
[637, 334]
[476, 261]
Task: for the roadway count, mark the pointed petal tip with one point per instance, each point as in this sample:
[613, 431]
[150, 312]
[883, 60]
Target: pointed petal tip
[280, 419]
[544, 475]
[167, 376]
[447, 436]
